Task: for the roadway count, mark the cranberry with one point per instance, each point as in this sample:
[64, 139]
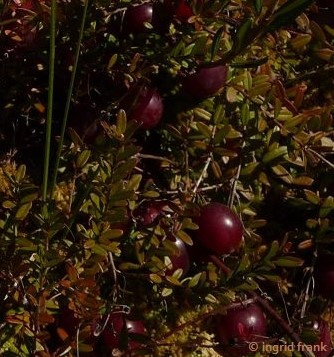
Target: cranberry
[239, 326]
[205, 82]
[117, 326]
[147, 109]
[324, 340]
[180, 260]
[220, 229]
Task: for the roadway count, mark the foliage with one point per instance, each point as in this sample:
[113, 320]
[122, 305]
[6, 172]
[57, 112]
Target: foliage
[262, 145]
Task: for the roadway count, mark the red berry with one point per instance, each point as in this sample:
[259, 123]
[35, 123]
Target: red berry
[205, 82]
[324, 341]
[117, 327]
[147, 110]
[148, 212]
[220, 229]
[183, 11]
[239, 326]
[135, 18]
[324, 276]
[179, 260]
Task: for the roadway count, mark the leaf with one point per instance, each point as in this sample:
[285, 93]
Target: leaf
[326, 207]
[184, 237]
[202, 113]
[249, 169]
[287, 13]
[121, 121]
[82, 159]
[258, 4]
[282, 173]
[124, 169]
[155, 278]
[195, 280]
[259, 89]
[289, 262]
[29, 198]
[20, 173]
[303, 181]
[312, 197]
[112, 61]
[151, 194]
[23, 211]
[216, 42]
[134, 182]
[250, 64]
[166, 292]
[111, 234]
[275, 154]
[274, 247]
[8, 204]
[204, 129]
[243, 33]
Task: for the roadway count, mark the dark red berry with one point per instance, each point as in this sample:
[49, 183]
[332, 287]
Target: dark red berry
[205, 81]
[324, 275]
[220, 229]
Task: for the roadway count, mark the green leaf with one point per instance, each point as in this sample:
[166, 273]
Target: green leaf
[184, 237]
[195, 280]
[289, 262]
[155, 278]
[134, 182]
[111, 234]
[204, 129]
[82, 159]
[29, 198]
[312, 197]
[275, 154]
[121, 121]
[326, 207]
[287, 13]
[20, 173]
[23, 211]
[216, 42]
[258, 4]
[250, 64]
[274, 247]
[124, 169]
[112, 61]
[242, 35]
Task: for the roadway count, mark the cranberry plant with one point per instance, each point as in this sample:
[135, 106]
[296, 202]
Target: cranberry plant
[166, 176]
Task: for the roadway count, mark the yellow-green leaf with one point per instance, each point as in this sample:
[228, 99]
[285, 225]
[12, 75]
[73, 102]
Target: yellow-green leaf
[23, 211]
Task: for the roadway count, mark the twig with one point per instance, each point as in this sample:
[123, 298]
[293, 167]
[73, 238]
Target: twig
[200, 179]
[278, 318]
[198, 319]
[321, 157]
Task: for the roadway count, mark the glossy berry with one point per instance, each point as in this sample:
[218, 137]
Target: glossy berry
[148, 212]
[322, 328]
[220, 229]
[205, 82]
[324, 276]
[135, 18]
[119, 329]
[239, 326]
[179, 260]
[147, 109]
